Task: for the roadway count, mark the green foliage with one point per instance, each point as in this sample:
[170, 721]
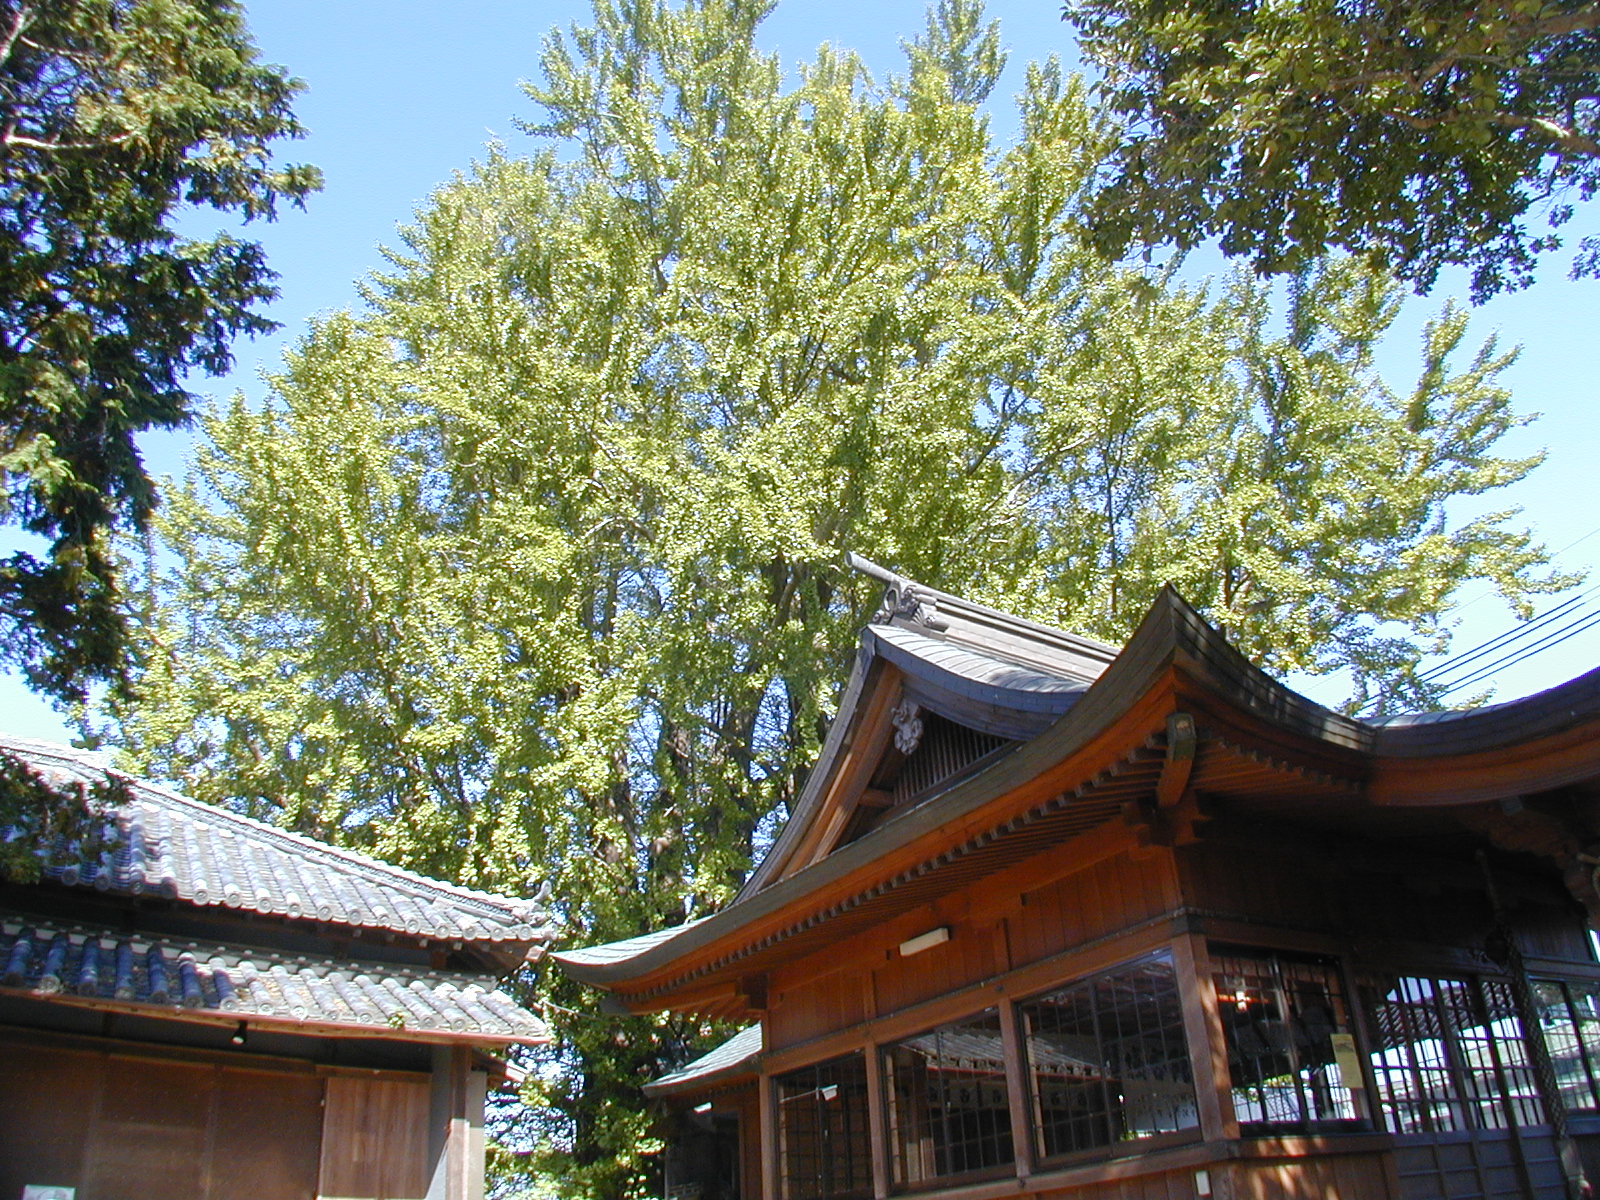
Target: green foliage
[1278, 481]
[115, 117]
[1418, 133]
[43, 823]
[533, 571]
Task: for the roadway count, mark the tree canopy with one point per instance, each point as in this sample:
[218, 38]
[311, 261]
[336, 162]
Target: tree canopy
[1419, 133]
[116, 118]
[532, 571]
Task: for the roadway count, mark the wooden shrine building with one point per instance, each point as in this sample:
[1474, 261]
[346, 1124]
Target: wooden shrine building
[212, 1007]
[1057, 919]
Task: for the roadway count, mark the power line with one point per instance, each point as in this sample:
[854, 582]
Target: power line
[1548, 642]
[1515, 633]
[1557, 554]
[1570, 607]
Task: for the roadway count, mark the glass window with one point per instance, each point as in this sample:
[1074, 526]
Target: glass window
[1291, 1051]
[1450, 1055]
[824, 1145]
[948, 1108]
[1569, 1018]
[1107, 1059]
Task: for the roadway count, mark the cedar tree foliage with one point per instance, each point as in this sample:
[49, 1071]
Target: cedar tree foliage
[1420, 133]
[116, 117]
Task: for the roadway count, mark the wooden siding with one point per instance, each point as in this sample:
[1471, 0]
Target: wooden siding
[1356, 1176]
[995, 927]
[119, 1128]
[1350, 896]
[1109, 896]
[1479, 1166]
[374, 1142]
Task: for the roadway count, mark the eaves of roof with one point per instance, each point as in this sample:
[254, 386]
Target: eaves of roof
[730, 1062]
[216, 982]
[168, 845]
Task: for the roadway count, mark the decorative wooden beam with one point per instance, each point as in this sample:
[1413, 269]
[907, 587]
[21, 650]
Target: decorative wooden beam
[1181, 741]
[753, 988]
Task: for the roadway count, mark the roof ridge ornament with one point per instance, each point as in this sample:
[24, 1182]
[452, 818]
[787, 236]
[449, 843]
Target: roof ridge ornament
[901, 598]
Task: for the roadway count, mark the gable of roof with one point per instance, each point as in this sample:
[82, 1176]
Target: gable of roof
[928, 651]
[168, 845]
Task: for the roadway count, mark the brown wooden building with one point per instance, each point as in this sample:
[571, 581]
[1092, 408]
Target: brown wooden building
[217, 1008]
[1053, 918]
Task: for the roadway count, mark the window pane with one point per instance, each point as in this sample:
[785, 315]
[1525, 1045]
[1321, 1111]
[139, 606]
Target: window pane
[1416, 1086]
[822, 1131]
[1107, 1060]
[1451, 1055]
[1569, 1019]
[1494, 1057]
[948, 1109]
[1289, 1039]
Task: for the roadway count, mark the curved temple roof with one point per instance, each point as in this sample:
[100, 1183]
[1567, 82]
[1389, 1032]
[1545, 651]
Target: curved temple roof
[1092, 696]
[167, 845]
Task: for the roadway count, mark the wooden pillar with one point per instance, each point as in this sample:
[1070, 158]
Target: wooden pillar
[1018, 1086]
[770, 1148]
[1208, 1045]
[877, 1122]
[456, 1149]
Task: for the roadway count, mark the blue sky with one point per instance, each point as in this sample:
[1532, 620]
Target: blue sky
[401, 94]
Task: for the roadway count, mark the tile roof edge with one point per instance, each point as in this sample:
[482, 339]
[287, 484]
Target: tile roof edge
[525, 912]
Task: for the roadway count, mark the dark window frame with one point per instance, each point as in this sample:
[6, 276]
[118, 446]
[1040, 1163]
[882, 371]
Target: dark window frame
[1280, 1013]
[1580, 1089]
[1102, 1093]
[967, 1141]
[827, 1115]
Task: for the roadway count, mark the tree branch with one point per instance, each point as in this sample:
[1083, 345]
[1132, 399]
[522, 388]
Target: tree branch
[22, 19]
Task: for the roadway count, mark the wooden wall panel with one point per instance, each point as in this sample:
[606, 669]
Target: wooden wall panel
[1109, 896]
[151, 1135]
[971, 954]
[374, 1140]
[127, 1128]
[267, 1128]
[1482, 1164]
[816, 1007]
[47, 1105]
[1354, 1175]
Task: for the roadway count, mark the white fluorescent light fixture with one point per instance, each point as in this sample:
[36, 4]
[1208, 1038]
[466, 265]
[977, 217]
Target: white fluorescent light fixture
[703, 1108]
[925, 941]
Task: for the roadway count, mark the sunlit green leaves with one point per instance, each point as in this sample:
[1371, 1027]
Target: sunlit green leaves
[1416, 133]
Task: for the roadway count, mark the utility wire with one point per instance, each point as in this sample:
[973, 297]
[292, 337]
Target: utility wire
[1566, 608]
[1515, 633]
[1548, 642]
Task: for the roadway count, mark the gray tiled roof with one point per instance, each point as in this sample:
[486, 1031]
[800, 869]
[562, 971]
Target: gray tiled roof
[169, 845]
[737, 1054]
[167, 976]
[611, 952]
